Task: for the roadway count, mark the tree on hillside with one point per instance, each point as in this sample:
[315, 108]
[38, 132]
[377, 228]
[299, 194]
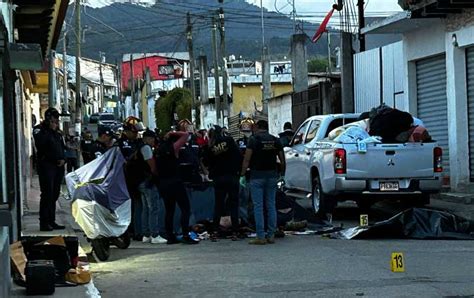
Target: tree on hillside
[176, 101]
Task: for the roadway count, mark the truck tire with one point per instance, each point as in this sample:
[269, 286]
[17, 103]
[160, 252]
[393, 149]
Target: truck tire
[122, 242]
[321, 202]
[101, 247]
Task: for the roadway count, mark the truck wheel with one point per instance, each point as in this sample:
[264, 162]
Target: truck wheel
[122, 242]
[322, 203]
[101, 247]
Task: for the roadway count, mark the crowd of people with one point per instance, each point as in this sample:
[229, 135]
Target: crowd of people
[160, 166]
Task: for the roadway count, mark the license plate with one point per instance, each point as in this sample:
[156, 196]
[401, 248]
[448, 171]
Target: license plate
[389, 186]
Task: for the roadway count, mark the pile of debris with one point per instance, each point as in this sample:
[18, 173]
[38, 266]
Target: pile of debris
[41, 264]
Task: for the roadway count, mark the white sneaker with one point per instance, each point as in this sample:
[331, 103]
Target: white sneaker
[146, 239]
[158, 240]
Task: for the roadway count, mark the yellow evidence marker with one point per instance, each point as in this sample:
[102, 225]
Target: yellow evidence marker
[364, 220]
[398, 262]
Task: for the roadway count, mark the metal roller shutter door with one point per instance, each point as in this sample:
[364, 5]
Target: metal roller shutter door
[470, 106]
[432, 101]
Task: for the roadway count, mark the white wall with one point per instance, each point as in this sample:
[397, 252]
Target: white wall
[151, 113]
[367, 81]
[279, 112]
[420, 44]
[208, 116]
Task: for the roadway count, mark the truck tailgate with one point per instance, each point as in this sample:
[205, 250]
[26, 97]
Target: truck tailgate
[385, 161]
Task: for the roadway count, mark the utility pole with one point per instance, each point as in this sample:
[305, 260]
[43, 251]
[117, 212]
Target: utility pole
[146, 115]
[216, 71]
[52, 80]
[65, 106]
[102, 60]
[329, 53]
[118, 92]
[294, 17]
[132, 82]
[224, 63]
[266, 81]
[360, 4]
[263, 25]
[65, 89]
[78, 114]
[189, 36]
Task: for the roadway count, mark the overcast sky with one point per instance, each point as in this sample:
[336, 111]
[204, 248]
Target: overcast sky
[303, 6]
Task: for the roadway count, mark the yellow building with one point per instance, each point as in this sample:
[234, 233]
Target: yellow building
[245, 96]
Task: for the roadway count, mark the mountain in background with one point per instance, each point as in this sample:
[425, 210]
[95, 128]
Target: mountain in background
[126, 28]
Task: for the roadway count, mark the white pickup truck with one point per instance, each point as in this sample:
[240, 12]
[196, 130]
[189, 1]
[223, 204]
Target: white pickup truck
[328, 171]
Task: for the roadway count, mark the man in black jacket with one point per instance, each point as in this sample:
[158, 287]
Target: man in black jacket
[286, 135]
[50, 153]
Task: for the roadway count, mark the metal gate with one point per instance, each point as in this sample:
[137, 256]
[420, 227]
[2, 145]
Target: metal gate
[432, 103]
[470, 106]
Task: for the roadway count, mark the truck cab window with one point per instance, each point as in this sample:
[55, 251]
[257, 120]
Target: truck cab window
[299, 135]
[313, 129]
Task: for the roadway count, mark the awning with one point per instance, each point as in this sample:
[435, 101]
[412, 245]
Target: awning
[399, 23]
[40, 22]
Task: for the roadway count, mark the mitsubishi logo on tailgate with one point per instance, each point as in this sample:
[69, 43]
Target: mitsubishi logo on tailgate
[390, 163]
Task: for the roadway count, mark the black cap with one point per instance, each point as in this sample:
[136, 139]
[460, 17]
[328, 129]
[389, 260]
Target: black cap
[149, 134]
[104, 130]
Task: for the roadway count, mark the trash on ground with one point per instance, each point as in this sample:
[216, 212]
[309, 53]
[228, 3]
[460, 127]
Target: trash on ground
[415, 223]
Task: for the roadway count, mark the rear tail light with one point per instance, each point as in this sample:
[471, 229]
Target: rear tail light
[340, 161]
[438, 160]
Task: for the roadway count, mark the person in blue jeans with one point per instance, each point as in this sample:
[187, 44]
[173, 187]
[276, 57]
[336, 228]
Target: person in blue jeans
[149, 193]
[263, 151]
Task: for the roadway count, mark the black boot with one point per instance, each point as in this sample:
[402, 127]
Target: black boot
[55, 226]
[45, 228]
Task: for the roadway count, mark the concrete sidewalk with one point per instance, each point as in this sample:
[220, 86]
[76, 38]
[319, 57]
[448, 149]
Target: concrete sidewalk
[30, 227]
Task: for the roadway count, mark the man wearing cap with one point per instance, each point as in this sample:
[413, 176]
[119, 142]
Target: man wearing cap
[87, 147]
[149, 191]
[129, 145]
[104, 141]
[50, 153]
[246, 129]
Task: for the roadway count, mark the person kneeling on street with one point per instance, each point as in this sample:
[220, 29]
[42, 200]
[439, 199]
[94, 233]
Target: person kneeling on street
[171, 187]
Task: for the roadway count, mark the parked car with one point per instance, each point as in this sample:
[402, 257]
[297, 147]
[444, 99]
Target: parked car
[107, 119]
[328, 171]
[94, 118]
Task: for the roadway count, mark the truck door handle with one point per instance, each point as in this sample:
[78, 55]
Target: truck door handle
[308, 152]
[296, 155]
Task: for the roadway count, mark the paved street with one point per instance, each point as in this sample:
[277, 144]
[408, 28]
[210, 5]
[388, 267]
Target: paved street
[299, 266]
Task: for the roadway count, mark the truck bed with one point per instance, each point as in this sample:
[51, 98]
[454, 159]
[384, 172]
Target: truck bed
[385, 161]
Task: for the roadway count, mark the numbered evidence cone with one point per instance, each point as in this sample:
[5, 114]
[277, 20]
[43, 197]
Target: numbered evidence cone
[397, 262]
[364, 220]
